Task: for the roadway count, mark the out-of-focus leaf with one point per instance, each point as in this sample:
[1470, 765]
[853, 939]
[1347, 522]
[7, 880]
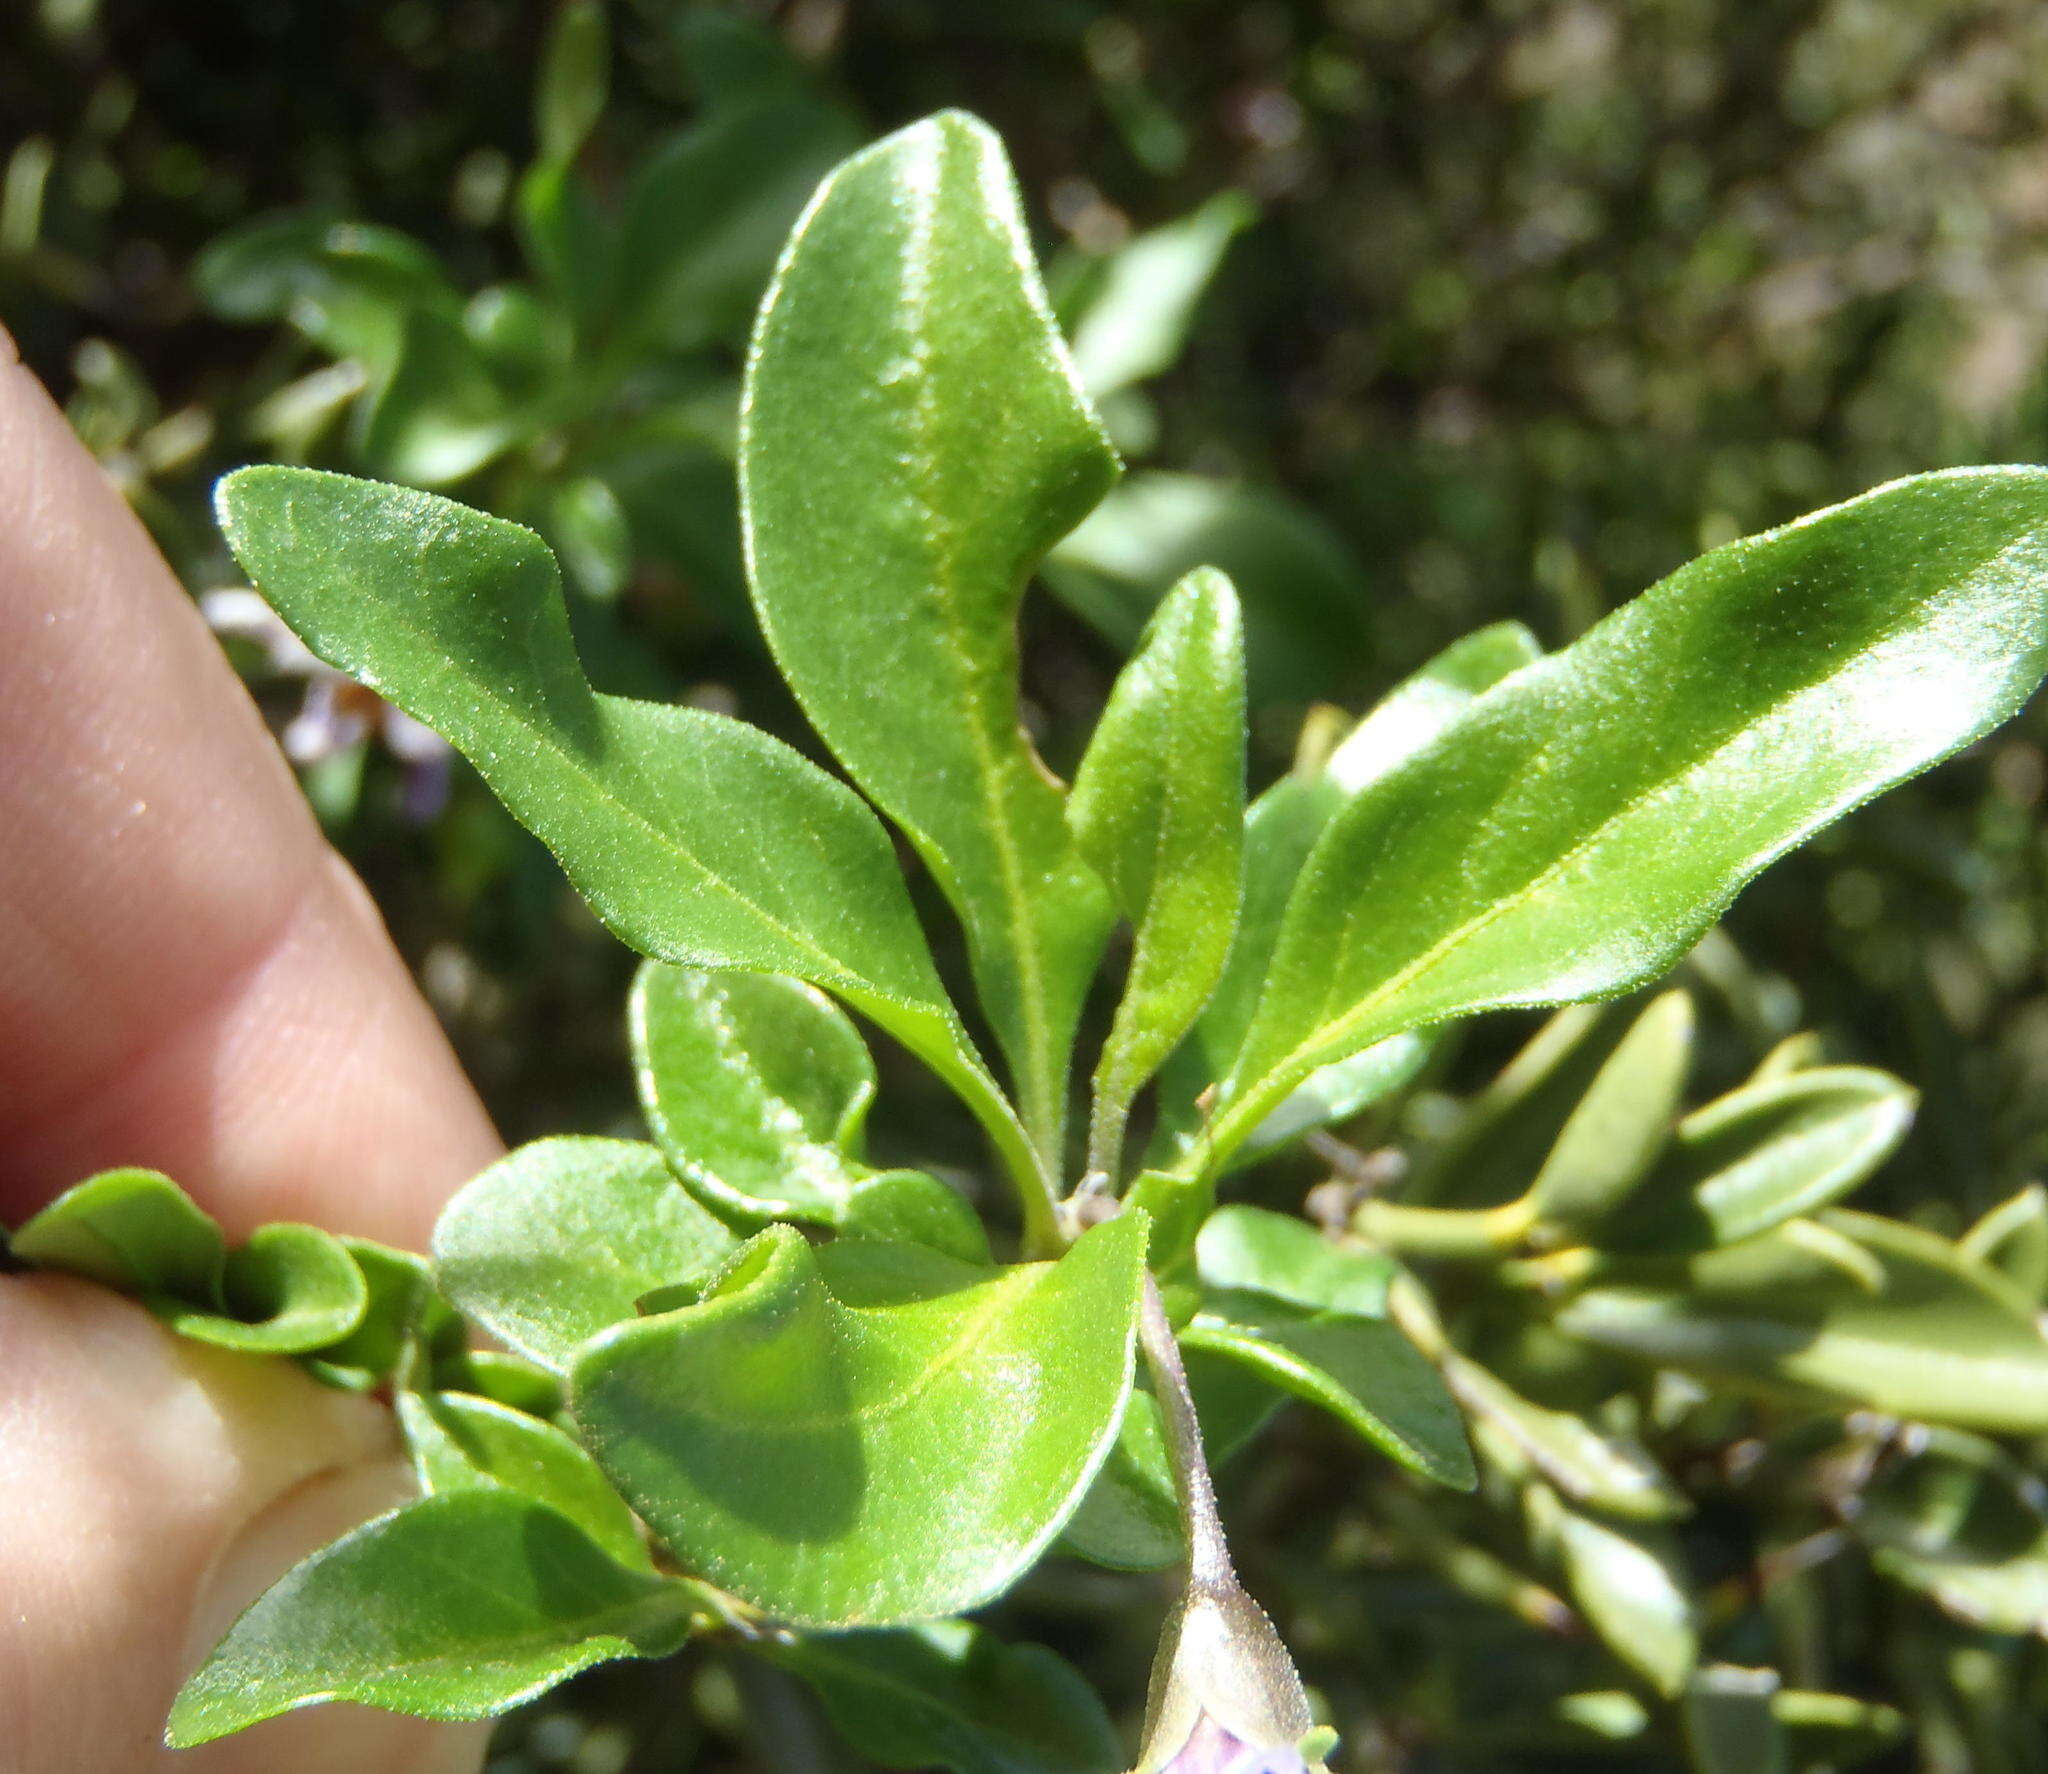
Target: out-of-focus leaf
[1143, 302]
[953, 1696]
[2013, 1239]
[1584, 822]
[1961, 1523]
[698, 839]
[130, 1229]
[1622, 1123]
[592, 535]
[456, 1607]
[1940, 1341]
[1248, 1250]
[575, 78]
[1158, 809]
[1602, 1472]
[1731, 1722]
[441, 416]
[1765, 1154]
[1305, 595]
[556, 1241]
[1628, 1583]
[458, 1442]
[1796, 1053]
[1362, 1371]
[867, 1434]
[913, 439]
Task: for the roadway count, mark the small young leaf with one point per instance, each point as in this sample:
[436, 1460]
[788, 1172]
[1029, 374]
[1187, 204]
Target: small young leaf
[460, 1443]
[402, 1308]
[556, 1242]
[456, 1607]
[1247, 1249]
[1622, 1123]
[1158, 808]
[1362, 1371]
[1765, 1154]
[2013, 1239]
[134, 1230]
[867, 1434]
[952, 1696]
[1141, 307]
[1585, 821]
[696, 838]
[575, 77]
[913, 439]
[291, 1290]
[1939, 1342]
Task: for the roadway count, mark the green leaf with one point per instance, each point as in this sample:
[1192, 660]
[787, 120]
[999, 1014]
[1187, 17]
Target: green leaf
[1629, 1584]
[1603, 1472]
[510, 1380]
[556, 1241]
[1143, 303]
[910, 1207]
[134, 1230]
[1248, 1250]
[1961, 1522]
[952, 1696]
[1731, 1722]
[441, 416]
[1130, 1520]
[402, 1309]
[1362, 1371]
[1158, 808]
[707, 212]
[457, 1607]
[1765, 1154]
[1589, 818]
[1622, 1123]
[575, 78]
[458, 1443]
[290, 1290]
[1940, 1341]
[697, 839]
[867, 1434]
[2013, 1239]
[913, 440]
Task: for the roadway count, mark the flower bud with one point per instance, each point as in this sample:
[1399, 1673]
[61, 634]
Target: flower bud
[1225, 1698]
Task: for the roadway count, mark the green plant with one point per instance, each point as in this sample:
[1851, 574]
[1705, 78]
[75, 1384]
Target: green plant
[764, 1391]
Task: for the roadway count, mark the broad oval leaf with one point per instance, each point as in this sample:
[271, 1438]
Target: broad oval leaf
[867, 1433]
[1765, 1154]
[456, 1607]
[913, 439]
[1158, 808]
[130, 1229]
[558, 1240]
[1940, 1341]
[1363, 1371]
[1622, 1123]
[1585, 821]
[458, 1443]
[697, 839]
[953, 1696]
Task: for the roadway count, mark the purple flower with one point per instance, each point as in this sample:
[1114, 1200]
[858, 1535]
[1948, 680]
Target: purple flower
[1215, 1749]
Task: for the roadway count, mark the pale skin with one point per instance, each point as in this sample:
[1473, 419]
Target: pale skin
[190, 979]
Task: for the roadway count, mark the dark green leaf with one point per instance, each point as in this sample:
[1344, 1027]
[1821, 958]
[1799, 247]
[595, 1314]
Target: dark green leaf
[913, 440]
[457, 1607]
[458, 1442]
[556, 1242]
[1362, 1371]
[1158, 809]
[575, 77]
[696, 838]
[1585, 821]
[868, 1433]
[1939, 1341]
[135, 1230]
[952, 1696]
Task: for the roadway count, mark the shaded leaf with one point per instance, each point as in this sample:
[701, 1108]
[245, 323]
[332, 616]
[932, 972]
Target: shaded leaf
[2013, 1239]
[1731, 1722]
[868, 1433]
[1628, 1583]
[457, 1607]
[913, 439]
[291, 1290]
[952, 1696]
[130, 1229]
[556, 1242]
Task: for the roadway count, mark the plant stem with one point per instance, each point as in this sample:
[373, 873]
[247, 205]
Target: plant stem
[1446, 1233]
[1208, 1552]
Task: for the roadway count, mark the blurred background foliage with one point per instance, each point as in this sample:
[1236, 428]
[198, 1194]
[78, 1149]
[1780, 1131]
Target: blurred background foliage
[1413, 314]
